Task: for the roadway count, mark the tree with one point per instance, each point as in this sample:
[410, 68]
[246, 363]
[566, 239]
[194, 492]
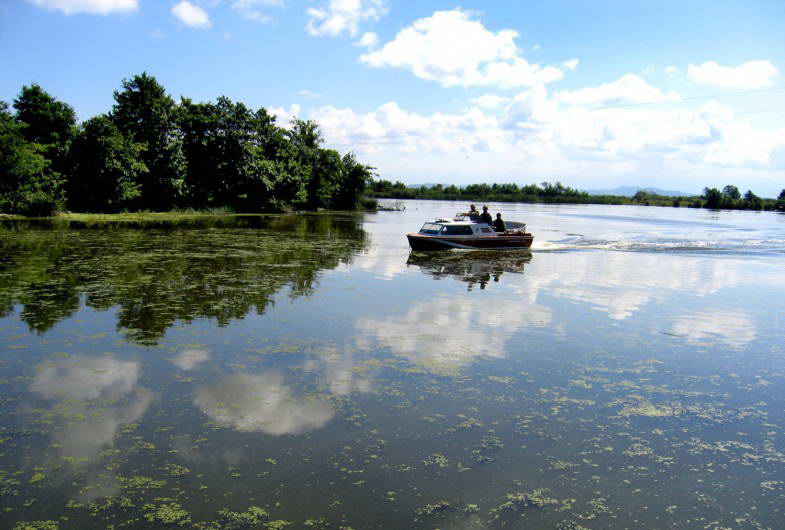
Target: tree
[781, 200]
[713, 197]
[145, 113]
[356, 177]
[107, 168]
[48, 123]
[237, 157]
[731, 192]
[752, 201]
[27, 183]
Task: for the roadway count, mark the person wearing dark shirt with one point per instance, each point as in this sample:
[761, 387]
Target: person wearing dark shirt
[473, 214]
[498, 224]
[485, 217]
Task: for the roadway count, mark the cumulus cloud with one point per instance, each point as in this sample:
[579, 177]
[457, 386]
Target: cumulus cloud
[101, 389]
[368, 40]
[190, 358]
[308, 94]
[261, 403]
[95, 7]
[191, 15]
[252, 9]
[85, 378]
[447, 334]
[749, 75]
[734, 328]
[628, 89]
[337, 17]
[572, 64]
[491, 101]
[539, 132]
[453, 49]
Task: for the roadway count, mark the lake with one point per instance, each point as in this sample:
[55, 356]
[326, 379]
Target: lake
[309, 372]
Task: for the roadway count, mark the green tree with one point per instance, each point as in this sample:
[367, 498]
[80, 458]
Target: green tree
[713, 198]
[27, 183]
[237, 157]
[731, 192]
[306, 138]
[107, 168]
[752, 201]
[144, 112]
[47, 121]
[355, 178]
[781, 200]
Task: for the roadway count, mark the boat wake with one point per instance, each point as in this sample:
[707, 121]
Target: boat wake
[643, 244]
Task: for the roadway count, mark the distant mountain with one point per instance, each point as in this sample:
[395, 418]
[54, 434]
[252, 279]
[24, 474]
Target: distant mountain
[629, 191]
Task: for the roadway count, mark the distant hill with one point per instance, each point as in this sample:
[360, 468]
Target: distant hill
[629, 191]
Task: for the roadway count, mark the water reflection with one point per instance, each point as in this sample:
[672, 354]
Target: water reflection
[474, 268]
[446, 334]
[734, 328]
[157, 276]
[188, 359]
[94, 397]
[261, 403]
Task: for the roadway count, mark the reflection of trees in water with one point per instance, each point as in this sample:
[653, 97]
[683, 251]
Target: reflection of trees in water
[474, 268]
[161, 273]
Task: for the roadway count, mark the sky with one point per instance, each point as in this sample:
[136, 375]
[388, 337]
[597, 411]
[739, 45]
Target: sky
[677, 95]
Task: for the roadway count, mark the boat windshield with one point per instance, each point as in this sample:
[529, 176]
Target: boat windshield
[463, 230]
[431, 228]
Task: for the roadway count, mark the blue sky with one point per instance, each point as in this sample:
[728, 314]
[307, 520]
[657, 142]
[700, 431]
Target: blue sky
[677, 95]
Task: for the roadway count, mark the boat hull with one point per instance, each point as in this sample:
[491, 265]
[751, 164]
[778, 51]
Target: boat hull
[424, 242]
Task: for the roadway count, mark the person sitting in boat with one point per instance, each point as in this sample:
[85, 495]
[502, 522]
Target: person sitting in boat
[498, 224]
[473, 214]
[485, 217]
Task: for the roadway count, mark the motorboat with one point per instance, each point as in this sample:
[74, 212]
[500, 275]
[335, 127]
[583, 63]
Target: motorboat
[462, 232]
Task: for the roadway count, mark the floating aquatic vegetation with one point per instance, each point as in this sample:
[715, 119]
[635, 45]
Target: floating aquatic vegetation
[437, 459]
[167, 513]
[431, 509]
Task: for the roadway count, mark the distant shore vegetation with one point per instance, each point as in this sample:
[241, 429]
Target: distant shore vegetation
[728, 198]
[152, 153]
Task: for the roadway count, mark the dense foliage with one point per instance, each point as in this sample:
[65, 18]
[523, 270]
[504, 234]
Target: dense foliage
[729, 198]
[546, 192]
[152, 153]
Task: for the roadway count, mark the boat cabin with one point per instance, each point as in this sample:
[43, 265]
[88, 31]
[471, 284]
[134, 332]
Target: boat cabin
[456, 228]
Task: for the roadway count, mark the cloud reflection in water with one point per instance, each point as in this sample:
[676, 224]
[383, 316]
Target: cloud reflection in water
[260, 403]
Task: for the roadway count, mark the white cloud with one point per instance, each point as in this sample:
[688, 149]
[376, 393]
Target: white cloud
[539, 133]
[343, 16]
[491, 101]
[368, 40]
[191, 15]
[734, 328]
[189, 359]
[251, 9]
[95, 7]
[308, 94]
[261, 403]
[628, 89]
[572, 64]
[451, 48]
[447, 334]
[752, 74]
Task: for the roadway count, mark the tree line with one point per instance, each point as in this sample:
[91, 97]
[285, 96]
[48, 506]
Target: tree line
[152, 153]
[545, 192]
[729, 198]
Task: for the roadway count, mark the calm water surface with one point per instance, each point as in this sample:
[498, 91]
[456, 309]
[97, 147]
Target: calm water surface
[309, 372]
